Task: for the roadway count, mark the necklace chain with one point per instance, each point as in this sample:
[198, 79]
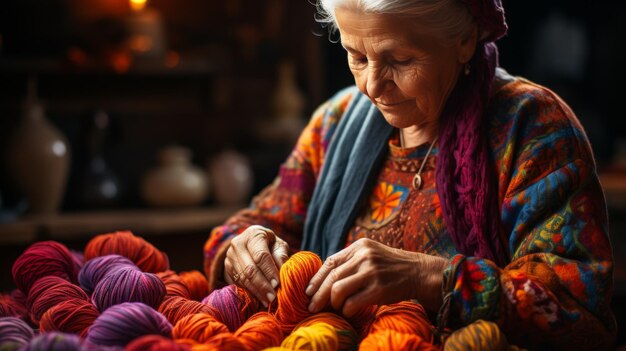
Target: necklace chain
[417, 179]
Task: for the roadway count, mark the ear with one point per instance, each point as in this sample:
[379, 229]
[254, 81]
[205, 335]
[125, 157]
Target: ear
[466, 46]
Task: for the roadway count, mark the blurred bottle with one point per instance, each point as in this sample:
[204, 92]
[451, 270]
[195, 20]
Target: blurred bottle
[231, 177]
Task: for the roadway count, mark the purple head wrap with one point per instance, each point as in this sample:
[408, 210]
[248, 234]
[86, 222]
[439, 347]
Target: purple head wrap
[465, 181]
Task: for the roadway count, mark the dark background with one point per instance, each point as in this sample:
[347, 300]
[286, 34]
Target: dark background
[218, 95]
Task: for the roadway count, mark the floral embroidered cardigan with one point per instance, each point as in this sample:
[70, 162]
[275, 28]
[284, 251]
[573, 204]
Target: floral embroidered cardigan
[556, 290]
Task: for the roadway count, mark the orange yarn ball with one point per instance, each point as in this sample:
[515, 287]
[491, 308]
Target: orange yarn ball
[125, 243]
[295, 275]
[199, 327]
[260, 331]
[347, 336]
[405, 317]
[362, 320]
[155, 343]
[174, 285]
[175, 308]
[71, 316]
[390, 340]
[196, 283]
[220, 342]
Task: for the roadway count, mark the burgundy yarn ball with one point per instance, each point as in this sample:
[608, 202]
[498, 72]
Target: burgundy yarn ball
[155, 343]
[128, 285]
[174, 308]
[95, 269]
[50, 291]
[46, 258]
[72, 316]
[55, 342]
[10, 307]
[14, 331]
[123, 323]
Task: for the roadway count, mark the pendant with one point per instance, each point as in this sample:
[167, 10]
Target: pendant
[417, 182]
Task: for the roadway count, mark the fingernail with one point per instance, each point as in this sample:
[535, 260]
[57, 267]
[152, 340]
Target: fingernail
[309, 290]
[312, 307]
[270, 297]
[274, 283]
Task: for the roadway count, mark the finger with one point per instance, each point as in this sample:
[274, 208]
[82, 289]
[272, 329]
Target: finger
[228, 271]
[259, 251]
[322, 296]
[358, 301]
[331, 263]
[346, 288]
[280, 252]
[252, 278]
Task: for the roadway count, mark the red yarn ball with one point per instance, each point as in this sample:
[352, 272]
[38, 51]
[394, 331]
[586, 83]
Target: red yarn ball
[10, 307]
[72, 316]
[50, 291]
[174, 285]
[155, 343]
[174, 308]
[125, 243]
[46, 258]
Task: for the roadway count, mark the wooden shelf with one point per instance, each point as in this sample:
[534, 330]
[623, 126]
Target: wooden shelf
[65, 226]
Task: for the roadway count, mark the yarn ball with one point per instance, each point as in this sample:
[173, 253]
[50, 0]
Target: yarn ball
[174, 308]
[50, 291]
[155, 343]
[96, 268]
[404, 317]
[480, 335]
[14, 331]
[10, 307]
[315, 337]
[71, 316]
[55, 342]
[260, 331]
[347, 337]
[120, 324]
[362, 320]
[295, 275]
[128, 285]
[233, 304]
[199, 327]
[46, 258]
[221, 342]
[125, 243]
[174, 286]
[197, 284]
[390, 340]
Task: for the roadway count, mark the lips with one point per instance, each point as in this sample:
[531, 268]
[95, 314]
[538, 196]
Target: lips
[391, 104]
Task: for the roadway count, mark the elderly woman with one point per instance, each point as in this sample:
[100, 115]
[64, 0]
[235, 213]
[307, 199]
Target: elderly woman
[440, 178]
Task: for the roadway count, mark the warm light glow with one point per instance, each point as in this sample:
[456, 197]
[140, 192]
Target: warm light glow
[137, 5]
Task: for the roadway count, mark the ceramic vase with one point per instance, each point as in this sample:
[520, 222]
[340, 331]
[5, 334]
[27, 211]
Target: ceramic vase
[175, 182]
[232, 178]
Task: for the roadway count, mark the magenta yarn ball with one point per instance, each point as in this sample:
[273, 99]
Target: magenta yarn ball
[128, 285]
[50, 291]
[121, 324]
[46, 258]
[97, 268]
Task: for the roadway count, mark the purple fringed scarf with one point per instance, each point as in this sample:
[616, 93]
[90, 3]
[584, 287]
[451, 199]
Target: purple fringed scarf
[465, 181]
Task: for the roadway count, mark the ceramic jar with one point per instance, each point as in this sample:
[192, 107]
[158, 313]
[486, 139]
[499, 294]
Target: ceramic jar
[232, 178]
[175, 182]
[39, 159]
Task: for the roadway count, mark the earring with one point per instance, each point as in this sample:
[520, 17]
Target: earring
[467, 69]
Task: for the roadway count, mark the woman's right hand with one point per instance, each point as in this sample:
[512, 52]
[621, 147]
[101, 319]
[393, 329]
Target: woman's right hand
[253, 260]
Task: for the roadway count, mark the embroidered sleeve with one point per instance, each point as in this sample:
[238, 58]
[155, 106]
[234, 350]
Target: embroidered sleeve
[282, 205]
[556, 291]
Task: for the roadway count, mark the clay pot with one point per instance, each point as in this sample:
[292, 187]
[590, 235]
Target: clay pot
[232, 178]
[39, 160]
[175, 182]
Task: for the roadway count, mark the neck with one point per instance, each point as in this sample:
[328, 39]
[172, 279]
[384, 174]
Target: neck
[418, 135]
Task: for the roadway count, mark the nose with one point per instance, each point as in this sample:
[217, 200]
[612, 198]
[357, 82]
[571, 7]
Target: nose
[377, 81]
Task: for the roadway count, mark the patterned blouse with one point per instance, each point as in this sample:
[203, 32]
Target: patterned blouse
[555, 292]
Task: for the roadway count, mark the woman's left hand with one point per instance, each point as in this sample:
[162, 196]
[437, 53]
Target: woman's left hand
[370, 273]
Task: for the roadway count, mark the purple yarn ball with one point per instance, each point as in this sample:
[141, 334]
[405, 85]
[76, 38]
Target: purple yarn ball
[232, 309]
[97, 268]
[128, 285]
[15, 331]
[55, 341]
[121, 324]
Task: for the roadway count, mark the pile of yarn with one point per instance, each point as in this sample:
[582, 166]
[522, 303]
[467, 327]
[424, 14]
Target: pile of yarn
[123, 295]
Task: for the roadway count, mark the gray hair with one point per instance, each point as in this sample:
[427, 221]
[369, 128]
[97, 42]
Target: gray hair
[450, 19]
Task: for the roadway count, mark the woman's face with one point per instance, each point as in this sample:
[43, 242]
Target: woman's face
[408, 73]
